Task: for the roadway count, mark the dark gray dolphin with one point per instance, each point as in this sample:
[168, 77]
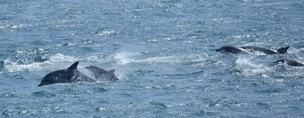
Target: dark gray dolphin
[231, 49]
[282, 50]
[65, 75]
[290, 62]
[102, 74]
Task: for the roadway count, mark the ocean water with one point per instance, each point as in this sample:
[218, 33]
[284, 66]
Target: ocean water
[163, 52]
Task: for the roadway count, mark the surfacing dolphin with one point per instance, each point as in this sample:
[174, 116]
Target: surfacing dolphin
[231, 49]
[102, 74]
[282, 50]
[290, 62]
[70, 74]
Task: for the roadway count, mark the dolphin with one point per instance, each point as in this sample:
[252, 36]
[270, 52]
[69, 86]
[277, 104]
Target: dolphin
[70, 74]
[282, 50]
[290, 62]
[231, 49]
[102, 74]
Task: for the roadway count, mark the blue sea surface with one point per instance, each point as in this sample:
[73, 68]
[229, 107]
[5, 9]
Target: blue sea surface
[164, 55]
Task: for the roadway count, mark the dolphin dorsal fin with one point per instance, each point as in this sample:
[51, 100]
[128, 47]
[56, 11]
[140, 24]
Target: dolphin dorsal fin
[282, 50]
[73, 66]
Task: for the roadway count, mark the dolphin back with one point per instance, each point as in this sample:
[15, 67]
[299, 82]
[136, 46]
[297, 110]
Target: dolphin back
[60, 76]
[289, 62]
[282, 50]
[65, 75]
[233, 50]
[260, 49]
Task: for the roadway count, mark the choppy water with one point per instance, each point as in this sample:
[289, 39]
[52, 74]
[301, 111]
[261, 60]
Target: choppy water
[163, 52]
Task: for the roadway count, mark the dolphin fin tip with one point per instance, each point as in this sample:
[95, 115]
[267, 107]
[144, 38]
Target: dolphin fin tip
[73, 66]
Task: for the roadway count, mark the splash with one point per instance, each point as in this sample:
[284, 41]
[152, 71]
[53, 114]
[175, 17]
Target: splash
[124, 58]
[61, 57]
[251, 68]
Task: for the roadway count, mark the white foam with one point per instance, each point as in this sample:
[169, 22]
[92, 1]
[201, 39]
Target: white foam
[295, 51]
[14, 66]
[95, 58]
[249, 67]
[61, 57]
[126, 58]
[55, 62]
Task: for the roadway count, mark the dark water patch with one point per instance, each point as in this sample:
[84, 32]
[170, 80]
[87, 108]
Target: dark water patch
[2, 108]
[216, 102]
[157, 109]
[70, 90]
[43, 94]
[68, 44]
[252, 85]
[301, 99]
[263, 105]
[87, 49]
[235, 72]
[270, 90]
[1, 66]
[234, 80]
[184, 74]
[6, 18]
[125, 94]
[7, 113]
[99, 90]
[255, 29]
[215, 80]
[158, 104]
[143, 72]
[103, 102]
[205, 113]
